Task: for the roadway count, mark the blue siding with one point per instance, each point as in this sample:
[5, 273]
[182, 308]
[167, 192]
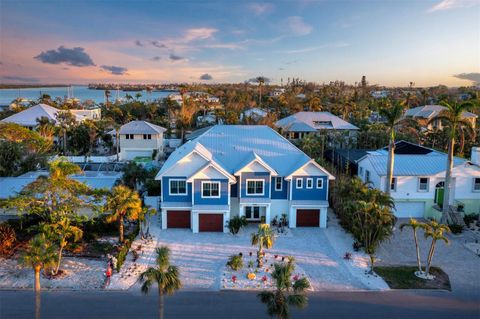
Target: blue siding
[175, 198]
[234, 189]
[309, 194]
[255, 175]
[283, 194]
[223, 200]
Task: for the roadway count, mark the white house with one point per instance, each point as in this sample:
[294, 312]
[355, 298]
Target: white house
[254, 113]
[419, 177]
[88, 114]
[423, 114]
[141, 139]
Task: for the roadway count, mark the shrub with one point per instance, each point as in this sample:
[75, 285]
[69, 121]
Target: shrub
[468, 219]
[455, 228]
[7, 239]
[123, 251]
[235, 262]
[236, 223]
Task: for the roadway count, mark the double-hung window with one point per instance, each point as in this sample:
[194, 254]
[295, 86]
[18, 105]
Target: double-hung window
[210, 189]
[178, 187]
[129, 136]
[319, 183]
[393, 184]
[147, 136]
[278, 183]
[423, 184]
[299, 182]
[309, 183]
[476, 184]
[255, 187]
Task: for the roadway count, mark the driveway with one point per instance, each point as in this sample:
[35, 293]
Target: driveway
[202, 257]
[462, 265]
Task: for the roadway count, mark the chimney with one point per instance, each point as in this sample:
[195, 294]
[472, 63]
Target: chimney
[475, 159]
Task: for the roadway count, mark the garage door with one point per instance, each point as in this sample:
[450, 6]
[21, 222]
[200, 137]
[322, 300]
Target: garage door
[308, 217]
[178, 219]
[210, 222]
[409, 209]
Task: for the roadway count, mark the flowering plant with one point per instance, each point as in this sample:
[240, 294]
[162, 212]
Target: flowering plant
[295, 278]
[264, 278]
[234, 278]
[251, 276]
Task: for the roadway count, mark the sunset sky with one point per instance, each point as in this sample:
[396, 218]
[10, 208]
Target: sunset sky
[391, 42]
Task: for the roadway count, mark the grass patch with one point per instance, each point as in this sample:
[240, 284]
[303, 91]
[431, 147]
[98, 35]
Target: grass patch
[403, 277]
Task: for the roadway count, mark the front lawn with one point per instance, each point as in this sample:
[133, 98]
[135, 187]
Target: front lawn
[402, 277]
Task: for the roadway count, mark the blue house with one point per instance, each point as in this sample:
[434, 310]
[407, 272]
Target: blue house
[241, 170]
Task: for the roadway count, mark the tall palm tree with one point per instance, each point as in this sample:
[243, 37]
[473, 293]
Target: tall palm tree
[39, 253]
[436, 232]
[166, 276]
[394, 122]
[122, 202]
[456, 124]
[264, 238]
[107, 96]
[414, 225]
[286, 294]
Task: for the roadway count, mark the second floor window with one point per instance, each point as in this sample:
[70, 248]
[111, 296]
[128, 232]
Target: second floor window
[211, 189]
[278, 183]
[320, 183]
[423, 184]
[178, 187]
[476, 184]
[299, 183]
[393, 184]
[309, 182]
[255, 187]
[129, 136]
[147, 136]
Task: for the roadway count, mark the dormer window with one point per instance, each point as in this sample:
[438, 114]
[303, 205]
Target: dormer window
[323, 123]
[255, 187]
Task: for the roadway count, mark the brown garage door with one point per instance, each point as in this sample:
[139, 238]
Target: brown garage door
[308, 217]
[210, 222]
[178, 219]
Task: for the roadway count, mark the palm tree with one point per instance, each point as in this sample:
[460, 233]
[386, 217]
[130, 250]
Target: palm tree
[122, 202]
[61, 232]
[65, 120]
[138, 95]
[435, 231]
[456, 123]
[415, 224]
[286, 294]
[394, 122]
[264, 238]
[39, 253]
[166, 276]
[107, 96]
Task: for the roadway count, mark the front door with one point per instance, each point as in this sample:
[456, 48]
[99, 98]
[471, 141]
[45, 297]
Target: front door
[252, 213]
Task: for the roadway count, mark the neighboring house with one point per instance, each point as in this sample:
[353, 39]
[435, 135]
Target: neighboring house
[141, 139]
[277, 92]
[253, 113]
[207, 119]
[425, 113]
[241, 170]
[10, 186]
[380, 94]
[28, 117]
[419, 177]
[345, 159]
[300, 124]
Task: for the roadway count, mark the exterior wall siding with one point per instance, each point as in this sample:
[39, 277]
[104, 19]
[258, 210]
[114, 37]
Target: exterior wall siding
[197, 188]
[283, 194]
[309, 194]
[175, 198]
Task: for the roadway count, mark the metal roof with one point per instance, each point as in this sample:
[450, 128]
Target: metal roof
[29, 116]
[429, 111]
[311, 121]
[141, 127]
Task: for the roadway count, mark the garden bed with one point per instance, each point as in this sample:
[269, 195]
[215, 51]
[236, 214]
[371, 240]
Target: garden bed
[262, 279]
[402, 277]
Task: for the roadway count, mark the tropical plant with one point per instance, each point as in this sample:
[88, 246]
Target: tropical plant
[165, 275]
[7, 239]
[286, 294]
[66, 120]
[39, 253]
[452, 116]
[236, 223]
[435, 231]
[264, 238]
[414, 225]
[60, 233]
[235, 262]
[122, 202]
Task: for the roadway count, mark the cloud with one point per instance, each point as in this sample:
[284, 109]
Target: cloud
[452, 4]
[138, 43]
[174, 57]
[158, 44]
[333, 45]
[297, 26]
[75, 57]
[260, 8]
[474, 77]
[20, 78]
[198, 34]
[156, 58]
[115, 70]
[206, 77]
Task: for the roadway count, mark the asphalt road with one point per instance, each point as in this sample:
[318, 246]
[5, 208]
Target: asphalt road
[103, 305]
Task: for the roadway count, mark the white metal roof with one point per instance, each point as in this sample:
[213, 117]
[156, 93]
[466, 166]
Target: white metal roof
[429, 111]
[28, 117]
[313, 121]
[141, 127]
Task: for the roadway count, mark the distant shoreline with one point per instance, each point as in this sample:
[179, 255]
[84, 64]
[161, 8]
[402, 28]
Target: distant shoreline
[30, 86]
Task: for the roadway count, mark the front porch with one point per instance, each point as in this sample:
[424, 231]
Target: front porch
[255, 210]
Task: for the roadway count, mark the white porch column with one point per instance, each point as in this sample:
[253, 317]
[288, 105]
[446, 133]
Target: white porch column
[194, 222]
[267, 214]
[292, 218]
[241, 210]
[226, 217]
[323, 217]
[164, 219]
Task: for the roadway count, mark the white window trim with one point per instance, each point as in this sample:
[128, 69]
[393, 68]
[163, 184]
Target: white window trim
[473, 186]
[423, 190]
[254, 180]
[281, 184]
[178, 180]
[311, 183]
[211, 182]
[394, 184]
[320, 180]
[301, 183]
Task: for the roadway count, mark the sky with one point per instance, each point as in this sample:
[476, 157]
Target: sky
[392, 43]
